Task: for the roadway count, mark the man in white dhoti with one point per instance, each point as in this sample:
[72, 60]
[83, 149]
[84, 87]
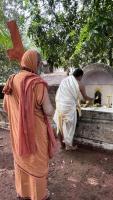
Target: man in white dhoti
[67, 99]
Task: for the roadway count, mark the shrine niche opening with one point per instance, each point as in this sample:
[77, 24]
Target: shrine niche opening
[98, 97]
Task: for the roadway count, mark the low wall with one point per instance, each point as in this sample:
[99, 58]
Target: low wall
[52, 93]
[3, 116]
[95, 127]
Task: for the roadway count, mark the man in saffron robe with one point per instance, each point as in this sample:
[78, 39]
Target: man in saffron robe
[67, 102]
[28, 106]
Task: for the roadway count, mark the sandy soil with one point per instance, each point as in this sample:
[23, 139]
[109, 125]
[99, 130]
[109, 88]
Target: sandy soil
[80, 175]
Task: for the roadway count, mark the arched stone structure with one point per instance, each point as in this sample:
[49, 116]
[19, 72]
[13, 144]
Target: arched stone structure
[99, 77]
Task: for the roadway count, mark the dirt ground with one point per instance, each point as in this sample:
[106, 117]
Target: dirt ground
[80, 175]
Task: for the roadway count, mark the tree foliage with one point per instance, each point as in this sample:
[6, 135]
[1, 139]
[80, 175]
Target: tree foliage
[10, 9]
[72, 36]
[96, 37]
[53, 29]
[68, 32]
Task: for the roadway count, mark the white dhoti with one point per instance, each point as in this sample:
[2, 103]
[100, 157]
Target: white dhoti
[66, 104]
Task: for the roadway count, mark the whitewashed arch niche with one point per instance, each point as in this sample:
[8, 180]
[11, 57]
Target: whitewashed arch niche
[98, 78]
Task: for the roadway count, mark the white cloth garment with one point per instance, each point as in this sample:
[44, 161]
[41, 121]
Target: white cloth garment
[66, 103]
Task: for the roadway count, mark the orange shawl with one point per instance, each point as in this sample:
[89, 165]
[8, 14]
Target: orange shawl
[26, 121]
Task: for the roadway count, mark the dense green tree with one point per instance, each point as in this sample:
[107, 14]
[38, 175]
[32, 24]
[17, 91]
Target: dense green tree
[11, 10]
[5, 42]
[96, 36]
[71, 34]
[53, 28]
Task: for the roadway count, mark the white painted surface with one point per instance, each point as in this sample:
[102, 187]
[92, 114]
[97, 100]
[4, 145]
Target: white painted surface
[106, 90]
[99, 109]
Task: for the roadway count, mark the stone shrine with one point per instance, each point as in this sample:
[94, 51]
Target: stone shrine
[96, 123]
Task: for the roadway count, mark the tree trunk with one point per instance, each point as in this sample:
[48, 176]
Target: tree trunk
[51, 69]
[51, 64]
[110, 57]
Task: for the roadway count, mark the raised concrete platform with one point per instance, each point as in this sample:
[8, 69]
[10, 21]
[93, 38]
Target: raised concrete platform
[96, 128]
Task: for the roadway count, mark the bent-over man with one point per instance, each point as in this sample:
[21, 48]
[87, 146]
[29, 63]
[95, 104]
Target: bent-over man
[67, 99]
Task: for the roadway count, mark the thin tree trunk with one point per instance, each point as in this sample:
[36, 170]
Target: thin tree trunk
[51, 69]
[110, 57]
